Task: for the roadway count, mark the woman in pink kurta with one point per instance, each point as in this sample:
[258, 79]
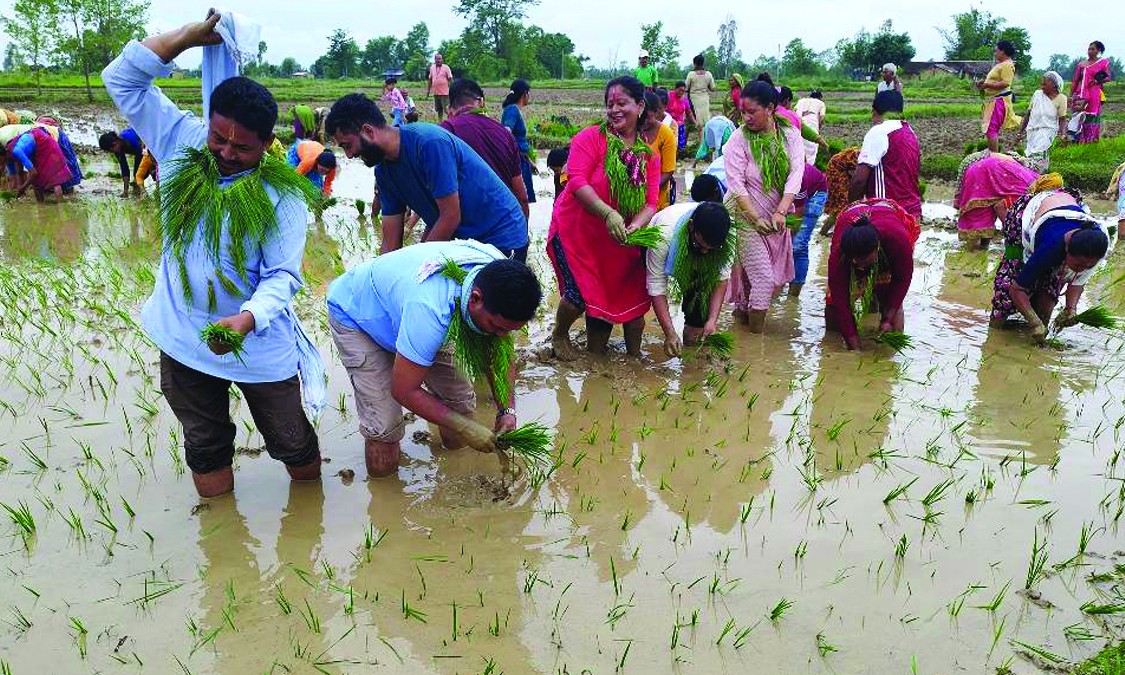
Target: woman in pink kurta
[988, 186]
[1086, 93]
[765, 160]
[608, 193]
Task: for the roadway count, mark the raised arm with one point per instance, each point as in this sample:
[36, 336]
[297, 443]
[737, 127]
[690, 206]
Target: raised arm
[128, 79]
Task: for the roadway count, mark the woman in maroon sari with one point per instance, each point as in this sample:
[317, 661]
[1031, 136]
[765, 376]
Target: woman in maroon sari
[613, 184]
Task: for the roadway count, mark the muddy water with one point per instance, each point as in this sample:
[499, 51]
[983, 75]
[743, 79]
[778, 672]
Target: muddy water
[692, 500]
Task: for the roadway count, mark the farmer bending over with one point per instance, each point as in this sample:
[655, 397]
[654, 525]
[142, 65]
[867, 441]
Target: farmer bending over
[122, 146]
[433, 173]
[195, 286]
[390, 318]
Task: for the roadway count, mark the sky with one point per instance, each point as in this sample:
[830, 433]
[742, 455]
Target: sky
[608, 32]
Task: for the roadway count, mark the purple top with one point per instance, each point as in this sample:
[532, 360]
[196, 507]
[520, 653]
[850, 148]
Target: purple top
[491, 140]
[812, 182]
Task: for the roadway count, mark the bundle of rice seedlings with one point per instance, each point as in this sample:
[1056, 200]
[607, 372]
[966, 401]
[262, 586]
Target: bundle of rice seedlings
[360, 206]
[1098, 317]
[215, 334]
[7, 195]
[649, 236]
[722, 344]
[895, 340]
[530, 443]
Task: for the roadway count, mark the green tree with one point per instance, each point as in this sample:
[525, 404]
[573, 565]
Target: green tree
[342, 57]
[554, 52]
[12, 57]
[888, 46]
[974, 35]
[488, 19]
[379, 54]
[728, 51]
[799, 59]
[32, 26]
[1063, 64]
[288, 66]
[414, 51]
[662, 49]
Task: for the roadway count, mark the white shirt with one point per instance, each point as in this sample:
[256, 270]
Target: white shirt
[877, 142]
[656, 259]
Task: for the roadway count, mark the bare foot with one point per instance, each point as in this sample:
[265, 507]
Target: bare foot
[795, 289]
[563, 348]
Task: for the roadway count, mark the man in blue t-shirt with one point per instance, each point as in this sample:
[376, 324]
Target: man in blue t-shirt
[124, 145]
[435, 174]
[390, 319]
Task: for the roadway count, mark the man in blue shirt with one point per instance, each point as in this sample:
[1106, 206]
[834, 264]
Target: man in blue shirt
[435, 174]
[122, 146]
[390, 320]
[196, 377]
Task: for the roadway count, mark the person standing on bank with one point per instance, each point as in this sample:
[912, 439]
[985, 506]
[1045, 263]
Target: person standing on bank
[438, 80]
[644, 72]
[433, 173]
[889, 80]
[998, 112]
[262, 273]
[700, 83]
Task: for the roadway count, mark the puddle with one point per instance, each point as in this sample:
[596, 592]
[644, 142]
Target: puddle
[800, 506]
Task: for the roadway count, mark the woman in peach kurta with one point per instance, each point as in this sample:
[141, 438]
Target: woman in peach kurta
[765, 161]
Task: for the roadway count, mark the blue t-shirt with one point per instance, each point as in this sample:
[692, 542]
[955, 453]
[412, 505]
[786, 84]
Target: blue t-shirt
[513, 119]
[129, 135]
[433, 163]
[383, 294]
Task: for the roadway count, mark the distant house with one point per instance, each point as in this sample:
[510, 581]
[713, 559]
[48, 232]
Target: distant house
[304, 73]
[962, 69]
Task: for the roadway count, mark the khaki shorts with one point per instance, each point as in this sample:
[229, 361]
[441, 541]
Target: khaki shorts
[369, 366]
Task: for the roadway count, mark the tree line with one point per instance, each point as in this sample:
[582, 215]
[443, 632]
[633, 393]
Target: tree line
[82, 36]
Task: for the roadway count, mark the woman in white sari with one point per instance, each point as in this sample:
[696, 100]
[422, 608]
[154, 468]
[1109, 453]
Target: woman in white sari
[1045, 120]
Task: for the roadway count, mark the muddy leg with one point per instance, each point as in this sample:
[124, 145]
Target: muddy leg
[757, 320]
[565, 317]
[597, 335]
[214, 483]
[305, 472]
[381, 458]
[633, 332]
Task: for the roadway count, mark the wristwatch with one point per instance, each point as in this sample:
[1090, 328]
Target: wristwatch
[506, 411]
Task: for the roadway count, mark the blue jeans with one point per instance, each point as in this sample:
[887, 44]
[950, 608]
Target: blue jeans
[814, 207]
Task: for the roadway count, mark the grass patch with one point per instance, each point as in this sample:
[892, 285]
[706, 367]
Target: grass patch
[1110, 661]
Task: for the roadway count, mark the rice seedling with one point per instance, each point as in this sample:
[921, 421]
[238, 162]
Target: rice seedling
[80, 633]
[1038, 562]
[896, 340]
[1098, 317]
[361, 207]
[778, 610]
[530, 443]
[721, 344]
[221, 336]
[409, 612]
[19, 621]
[22, 518]
[997, 599]
[649, 236]
[1094, 609]
[899, 491]
[312, 619]
[1041, 652]
[824, 646]
[901, 547]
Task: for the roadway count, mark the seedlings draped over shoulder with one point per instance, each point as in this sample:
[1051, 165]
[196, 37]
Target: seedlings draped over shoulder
[477, 354]
[192, 193]
[768, 150]
[696, 276]
[627, 171]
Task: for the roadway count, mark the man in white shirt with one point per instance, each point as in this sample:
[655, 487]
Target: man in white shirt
[890, 81]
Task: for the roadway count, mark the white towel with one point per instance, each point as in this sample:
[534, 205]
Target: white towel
[224, 61]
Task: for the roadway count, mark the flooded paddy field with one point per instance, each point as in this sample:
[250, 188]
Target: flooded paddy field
[796, 509]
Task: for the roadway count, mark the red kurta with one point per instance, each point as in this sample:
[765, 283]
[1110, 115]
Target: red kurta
[610, 276]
